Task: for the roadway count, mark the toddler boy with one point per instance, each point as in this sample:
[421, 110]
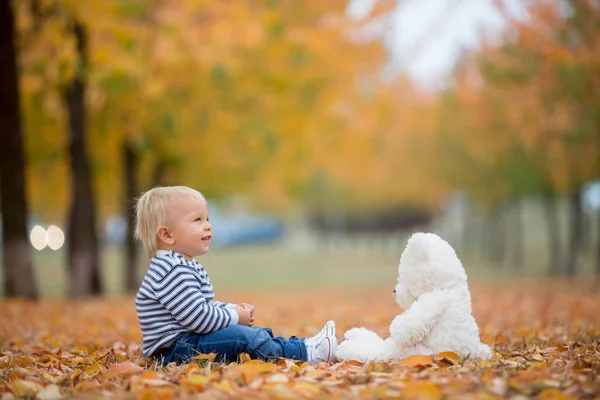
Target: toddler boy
[175, 304]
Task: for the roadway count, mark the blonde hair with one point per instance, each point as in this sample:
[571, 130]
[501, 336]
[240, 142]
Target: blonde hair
[151, 213]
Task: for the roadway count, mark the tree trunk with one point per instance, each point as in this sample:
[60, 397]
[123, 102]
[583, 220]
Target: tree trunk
[598, 242]
[159, 173]
[131, 249]
[19, 278]
[518, 236]
[83, 257]
[554, 267]
[576, 234]
[497, 237]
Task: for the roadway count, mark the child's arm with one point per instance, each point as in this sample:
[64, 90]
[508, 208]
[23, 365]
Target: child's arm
[226, 305]
[180, 293]
[413, 325]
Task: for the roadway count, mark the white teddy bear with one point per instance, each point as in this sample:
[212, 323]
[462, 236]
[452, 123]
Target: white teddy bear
[432, 289]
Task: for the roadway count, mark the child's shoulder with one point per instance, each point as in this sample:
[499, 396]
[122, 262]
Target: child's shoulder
[164, 262]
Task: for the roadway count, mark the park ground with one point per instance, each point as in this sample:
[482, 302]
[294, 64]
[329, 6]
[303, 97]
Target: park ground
[544, 332]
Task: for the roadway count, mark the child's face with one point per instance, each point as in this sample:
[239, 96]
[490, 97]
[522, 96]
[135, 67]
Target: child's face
[188, 224]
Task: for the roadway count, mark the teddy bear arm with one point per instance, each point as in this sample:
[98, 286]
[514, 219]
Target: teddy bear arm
[415, 324]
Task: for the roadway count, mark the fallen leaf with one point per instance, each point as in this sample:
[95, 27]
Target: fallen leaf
[417, 361]
[195, 382]
[122, 369]
[23, 388]
[209, 356]
[50, 392]
[449, 354]
[552, 394]
[251, 370]
[421, 391]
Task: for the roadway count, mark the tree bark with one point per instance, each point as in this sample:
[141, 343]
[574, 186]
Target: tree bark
[19, 277]
[83, 257]
[554, 247]
[576, 234]
[130, 157]
[518, 236]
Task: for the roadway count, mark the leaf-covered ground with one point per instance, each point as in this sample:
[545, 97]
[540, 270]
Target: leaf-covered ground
[545, 335]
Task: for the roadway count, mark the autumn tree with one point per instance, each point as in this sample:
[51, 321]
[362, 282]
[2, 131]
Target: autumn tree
[19, 279]
[83, 252]
[57, 38]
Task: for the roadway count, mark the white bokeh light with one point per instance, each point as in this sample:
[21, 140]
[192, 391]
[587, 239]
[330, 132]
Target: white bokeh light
[38, 237]
[55, 237]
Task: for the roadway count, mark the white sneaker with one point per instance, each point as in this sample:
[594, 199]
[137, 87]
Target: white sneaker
[321, 347]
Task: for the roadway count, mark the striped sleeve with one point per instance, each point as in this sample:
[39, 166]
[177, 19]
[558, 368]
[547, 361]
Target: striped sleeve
[181, 294]
[226, 305]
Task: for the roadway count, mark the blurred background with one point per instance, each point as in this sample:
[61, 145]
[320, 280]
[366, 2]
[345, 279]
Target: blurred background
[323, 133]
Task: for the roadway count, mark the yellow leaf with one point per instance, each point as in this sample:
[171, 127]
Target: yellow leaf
[210, 357]
[449, 354]
[122, 369]
[78, 360]
[300, 367]
[251, 370]
[195, 382]
[93, 369]
[551, 394]
[417, 360]
[254, 362]
[23, 388]
[244, 357]
[75, 374]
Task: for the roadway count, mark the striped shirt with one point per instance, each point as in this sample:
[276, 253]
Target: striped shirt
[175, 297]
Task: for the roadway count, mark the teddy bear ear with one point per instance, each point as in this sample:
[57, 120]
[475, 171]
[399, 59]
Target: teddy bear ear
[418, 246]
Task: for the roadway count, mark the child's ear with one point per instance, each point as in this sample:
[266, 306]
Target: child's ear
[165, 235]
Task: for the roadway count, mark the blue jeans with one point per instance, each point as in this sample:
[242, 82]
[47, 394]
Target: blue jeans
[230, 342]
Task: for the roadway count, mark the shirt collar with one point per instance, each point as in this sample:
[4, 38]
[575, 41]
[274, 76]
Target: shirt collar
[175, 254]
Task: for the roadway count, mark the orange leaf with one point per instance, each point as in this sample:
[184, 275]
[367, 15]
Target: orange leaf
[449, 354]
[122, 369]
[192, 368]
[422, 391]
[417, 361]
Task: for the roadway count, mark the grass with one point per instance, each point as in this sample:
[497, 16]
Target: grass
[353, 261]
[306, 259]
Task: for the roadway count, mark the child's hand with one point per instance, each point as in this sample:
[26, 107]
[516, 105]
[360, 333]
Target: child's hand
[246, 315]
[251, 307]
